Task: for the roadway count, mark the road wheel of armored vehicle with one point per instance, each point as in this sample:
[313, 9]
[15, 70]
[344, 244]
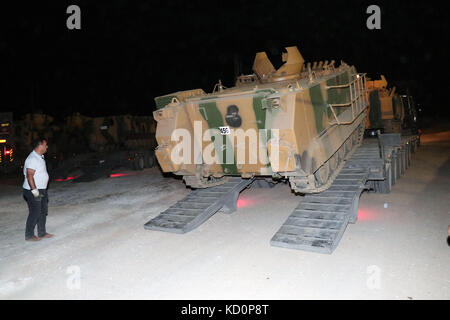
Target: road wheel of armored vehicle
[334, 162]
[322, 174]
[348, 145]
[198, 183]
[341, 154]
[355, 137]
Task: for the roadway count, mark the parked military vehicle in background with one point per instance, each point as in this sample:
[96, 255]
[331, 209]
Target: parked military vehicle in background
[411, 119]
[100, 144]
[90, 146]
[29, 128]
[305, 122]
[389, 111]
[7, 145]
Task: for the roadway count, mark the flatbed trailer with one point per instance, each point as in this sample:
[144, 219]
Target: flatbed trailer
[319, 221]
[94, 165]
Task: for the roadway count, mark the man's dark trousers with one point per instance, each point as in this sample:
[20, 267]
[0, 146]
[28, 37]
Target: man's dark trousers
[38, 209]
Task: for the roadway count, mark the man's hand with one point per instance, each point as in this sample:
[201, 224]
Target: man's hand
[36, 194]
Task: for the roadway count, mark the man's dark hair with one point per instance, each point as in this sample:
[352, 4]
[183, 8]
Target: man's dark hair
[38, 141]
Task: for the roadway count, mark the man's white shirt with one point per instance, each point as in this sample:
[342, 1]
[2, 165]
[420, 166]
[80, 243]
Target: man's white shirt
[36, 162]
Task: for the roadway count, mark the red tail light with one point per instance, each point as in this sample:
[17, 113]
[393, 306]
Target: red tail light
[66, 179]
[115, 175]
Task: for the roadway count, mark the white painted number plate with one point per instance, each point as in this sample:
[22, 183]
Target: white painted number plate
[224, 130]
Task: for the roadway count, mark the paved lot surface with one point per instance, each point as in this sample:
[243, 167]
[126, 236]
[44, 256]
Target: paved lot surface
[396, 250]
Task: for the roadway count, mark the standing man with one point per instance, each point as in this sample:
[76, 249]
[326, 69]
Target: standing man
[35, 191]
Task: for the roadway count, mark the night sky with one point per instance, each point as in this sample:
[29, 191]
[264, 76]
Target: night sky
[128, 52]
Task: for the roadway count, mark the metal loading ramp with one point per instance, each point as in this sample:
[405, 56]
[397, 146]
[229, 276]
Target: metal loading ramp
[319, 221]
[190, 212]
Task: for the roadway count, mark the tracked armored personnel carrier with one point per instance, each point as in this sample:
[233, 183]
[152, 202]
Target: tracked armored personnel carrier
[95, 146]
[389, 111]
[302, 123]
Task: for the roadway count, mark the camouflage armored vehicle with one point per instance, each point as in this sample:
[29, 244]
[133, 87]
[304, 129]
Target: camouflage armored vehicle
[16, 137]
[389, 111]
[90, 146]
[300, 122]
[97, 145]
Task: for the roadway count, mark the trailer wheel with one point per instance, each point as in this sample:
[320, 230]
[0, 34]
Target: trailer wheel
[394, 169]
[409, 155]
[149, 159]
[386, 184]
[402, 164]
[399, 164]
[139, 163]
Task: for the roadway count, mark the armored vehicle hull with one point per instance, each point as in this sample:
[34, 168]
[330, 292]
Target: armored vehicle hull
[297, 123]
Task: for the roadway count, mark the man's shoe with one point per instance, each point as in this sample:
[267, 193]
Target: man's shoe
[47, 235]
[33, 238]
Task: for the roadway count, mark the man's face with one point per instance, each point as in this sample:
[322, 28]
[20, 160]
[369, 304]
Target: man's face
[42, 148]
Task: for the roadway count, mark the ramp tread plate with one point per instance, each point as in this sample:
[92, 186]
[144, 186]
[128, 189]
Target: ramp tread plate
[292, 216]
[330, 200]
[317, 212]
[295, 242]
[319, 221]
[324, 207]
[308, 240]
[180, 212]
[187, 214]
[313, 224]
[190, 205]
